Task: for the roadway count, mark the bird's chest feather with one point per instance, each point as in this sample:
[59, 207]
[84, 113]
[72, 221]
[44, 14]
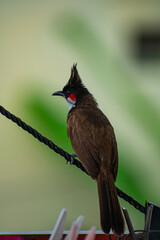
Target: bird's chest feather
[77, 126]
[80, 132]
[93, 140]
[87, 124]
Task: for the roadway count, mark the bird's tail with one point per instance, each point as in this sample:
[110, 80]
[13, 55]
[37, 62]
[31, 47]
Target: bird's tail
[110, 211]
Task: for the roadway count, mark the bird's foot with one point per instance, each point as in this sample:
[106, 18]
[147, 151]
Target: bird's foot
[73, 156]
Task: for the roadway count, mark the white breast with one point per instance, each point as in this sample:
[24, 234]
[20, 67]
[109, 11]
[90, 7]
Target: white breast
[71, 103]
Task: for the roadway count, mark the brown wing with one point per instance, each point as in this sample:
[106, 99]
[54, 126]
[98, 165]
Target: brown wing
[92, 138]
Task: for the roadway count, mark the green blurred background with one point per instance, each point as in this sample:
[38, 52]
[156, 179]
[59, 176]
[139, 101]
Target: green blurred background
[119, 61]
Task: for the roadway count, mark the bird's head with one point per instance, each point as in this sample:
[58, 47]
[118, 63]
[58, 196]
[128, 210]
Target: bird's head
[74, 90]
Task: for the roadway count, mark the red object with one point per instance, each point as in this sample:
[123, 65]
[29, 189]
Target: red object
[11, 237]
[72, 97]
[46, 237]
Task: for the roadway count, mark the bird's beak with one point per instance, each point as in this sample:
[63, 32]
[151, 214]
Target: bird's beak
[58, 93]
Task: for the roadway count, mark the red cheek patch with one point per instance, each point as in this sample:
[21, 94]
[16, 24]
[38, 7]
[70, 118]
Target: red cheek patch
[72, 97]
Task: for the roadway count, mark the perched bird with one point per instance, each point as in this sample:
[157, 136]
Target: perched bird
[93, 140]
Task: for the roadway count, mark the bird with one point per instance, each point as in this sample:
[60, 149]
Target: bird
[93, 141]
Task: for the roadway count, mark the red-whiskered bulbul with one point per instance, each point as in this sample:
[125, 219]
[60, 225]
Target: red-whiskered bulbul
[93, 140]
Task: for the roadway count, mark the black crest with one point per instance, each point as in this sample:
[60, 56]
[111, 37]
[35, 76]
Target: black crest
[75, 80]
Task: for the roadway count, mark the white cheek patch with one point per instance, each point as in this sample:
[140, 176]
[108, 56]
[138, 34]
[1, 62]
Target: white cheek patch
[71, 103]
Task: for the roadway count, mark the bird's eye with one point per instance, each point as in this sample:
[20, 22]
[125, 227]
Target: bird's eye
[68, 93]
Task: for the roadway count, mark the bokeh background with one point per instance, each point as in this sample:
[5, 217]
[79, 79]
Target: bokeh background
[117, 47]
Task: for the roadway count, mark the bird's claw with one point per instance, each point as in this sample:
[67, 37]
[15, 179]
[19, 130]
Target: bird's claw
[73, 156]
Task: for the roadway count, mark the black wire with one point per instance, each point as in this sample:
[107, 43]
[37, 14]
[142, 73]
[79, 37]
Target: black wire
[64, 154]
[130, 200]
